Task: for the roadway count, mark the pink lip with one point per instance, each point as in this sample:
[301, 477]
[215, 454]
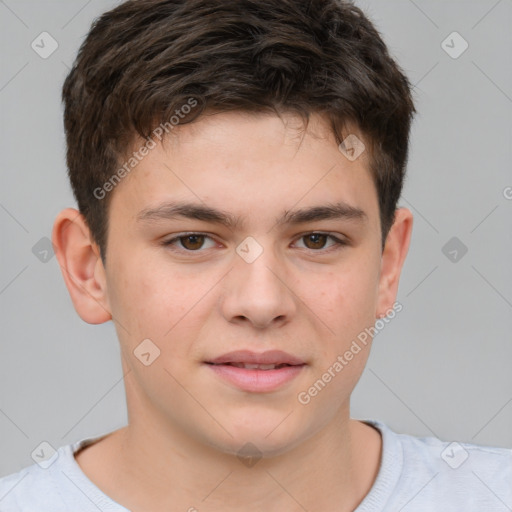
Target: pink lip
[255, 380]
[268, 357]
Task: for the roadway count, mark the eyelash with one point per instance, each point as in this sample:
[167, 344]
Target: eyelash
[338, 243]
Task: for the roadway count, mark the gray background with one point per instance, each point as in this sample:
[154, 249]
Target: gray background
[441, 367]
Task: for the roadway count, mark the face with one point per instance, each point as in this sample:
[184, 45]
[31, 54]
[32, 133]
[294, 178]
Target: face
[235, 236]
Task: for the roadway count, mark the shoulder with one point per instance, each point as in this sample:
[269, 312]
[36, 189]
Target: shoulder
[32, 488]
[55, 484]
[448, 475]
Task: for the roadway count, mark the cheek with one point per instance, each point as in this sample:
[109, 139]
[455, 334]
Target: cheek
[346, 299]
[144, 300]
[153, 300]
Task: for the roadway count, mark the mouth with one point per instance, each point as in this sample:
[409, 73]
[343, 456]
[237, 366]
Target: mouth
[257, 373]
[269, 358]
[250, 366]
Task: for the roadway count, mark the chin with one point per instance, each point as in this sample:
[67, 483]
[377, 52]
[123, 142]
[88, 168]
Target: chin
[260, 438]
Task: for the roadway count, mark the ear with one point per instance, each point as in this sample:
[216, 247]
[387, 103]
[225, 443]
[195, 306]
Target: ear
[81, 266]
[393, 257]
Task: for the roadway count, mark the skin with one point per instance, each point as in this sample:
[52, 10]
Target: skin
[186, 425]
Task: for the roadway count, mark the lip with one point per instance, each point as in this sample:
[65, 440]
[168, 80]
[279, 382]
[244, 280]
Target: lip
[256, 380]
[247, 356]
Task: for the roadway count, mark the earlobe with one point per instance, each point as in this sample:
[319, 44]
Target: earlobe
[81, 266]
[393, 258]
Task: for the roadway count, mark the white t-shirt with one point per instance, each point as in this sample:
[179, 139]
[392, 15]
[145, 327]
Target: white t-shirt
[415, 475]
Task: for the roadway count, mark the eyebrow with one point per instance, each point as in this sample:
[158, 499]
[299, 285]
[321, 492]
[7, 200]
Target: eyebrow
[173, 210]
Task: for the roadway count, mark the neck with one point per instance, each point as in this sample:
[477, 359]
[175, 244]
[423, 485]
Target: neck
[147, 467]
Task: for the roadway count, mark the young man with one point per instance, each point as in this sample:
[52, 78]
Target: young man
[237, 167]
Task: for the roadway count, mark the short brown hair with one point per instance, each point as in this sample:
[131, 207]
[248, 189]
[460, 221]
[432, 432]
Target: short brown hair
[144, 59]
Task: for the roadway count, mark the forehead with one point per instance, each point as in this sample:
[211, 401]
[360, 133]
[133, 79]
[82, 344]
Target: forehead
[249, 163]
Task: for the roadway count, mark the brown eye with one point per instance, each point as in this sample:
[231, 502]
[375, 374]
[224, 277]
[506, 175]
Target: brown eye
[192, 242]
[315, 240]
[321, 242]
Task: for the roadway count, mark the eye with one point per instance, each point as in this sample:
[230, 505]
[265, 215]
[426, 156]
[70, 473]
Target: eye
[194, 242]
[190, 242]
[317, 241]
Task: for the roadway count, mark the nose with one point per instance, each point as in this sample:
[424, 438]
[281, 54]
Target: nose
[258, 292]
